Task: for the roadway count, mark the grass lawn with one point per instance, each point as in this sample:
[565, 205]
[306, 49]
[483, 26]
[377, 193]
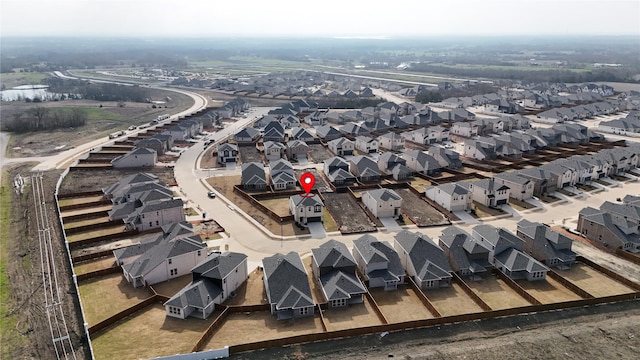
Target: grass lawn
[11, 80]
[108, 295]
[354, 316]
[75, 224]
[328, 221]
[485, 211]
[252, 292]
[602, 182]
[190, 212]
[548, 199]
[9, 337]
[279, 206]
[148, 334]
[548, 291]
[520, 205]
[496, 293]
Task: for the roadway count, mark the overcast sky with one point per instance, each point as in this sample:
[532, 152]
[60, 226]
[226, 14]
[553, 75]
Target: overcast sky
[321, 17]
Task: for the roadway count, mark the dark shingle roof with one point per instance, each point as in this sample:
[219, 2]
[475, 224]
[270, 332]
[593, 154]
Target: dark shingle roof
[288, 285]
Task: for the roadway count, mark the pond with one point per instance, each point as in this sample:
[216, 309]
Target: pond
[22, 92]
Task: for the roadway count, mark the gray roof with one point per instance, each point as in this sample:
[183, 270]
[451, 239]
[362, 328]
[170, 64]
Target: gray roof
[628, 211]
[427, 258]
[373, 251]
[366, 166]
[198, 294]
[333, 254]
[253, 174]
[129, 180]
[288, 285]
[227, 146]
[337, 271]
[489, 185]
[512, 177]
[494, 235]
[340, 174]
[306, 200]
[218, 266]
[384, 194]
[453, 188]
[341, 285]
[161, 252]
[464, 252]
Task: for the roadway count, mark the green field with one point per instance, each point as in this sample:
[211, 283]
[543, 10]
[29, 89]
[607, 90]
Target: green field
[10, 80]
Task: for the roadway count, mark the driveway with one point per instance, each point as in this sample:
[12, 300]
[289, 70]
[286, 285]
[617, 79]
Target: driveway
[390, 224]
[465, 217]
[317, 230]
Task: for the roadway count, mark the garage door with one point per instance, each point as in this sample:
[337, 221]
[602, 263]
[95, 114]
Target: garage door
[502, 202]
[314, 219]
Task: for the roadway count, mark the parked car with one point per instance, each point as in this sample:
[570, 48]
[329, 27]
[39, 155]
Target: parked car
[132, 127]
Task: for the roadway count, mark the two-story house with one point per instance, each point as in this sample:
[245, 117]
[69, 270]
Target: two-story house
[378, 262]
[546, 245]
[520, 187]
[467, 257]
[306, 208]
[423, 260]
[227, 153]
[382, 202]
[450, 196]
[287, 286]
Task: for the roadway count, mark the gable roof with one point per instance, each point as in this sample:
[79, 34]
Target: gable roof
[374, 251]
[384, 194]
[287, 282]
[253, 174]
[333, 254]
[159, 253]
[427, 258]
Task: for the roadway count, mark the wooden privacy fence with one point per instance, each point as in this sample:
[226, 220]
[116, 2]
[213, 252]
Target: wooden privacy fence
[85, 205]
[81, 243]
[79, 194]
[98, 273]
[92, 256]
[79, 229]
[94, 329]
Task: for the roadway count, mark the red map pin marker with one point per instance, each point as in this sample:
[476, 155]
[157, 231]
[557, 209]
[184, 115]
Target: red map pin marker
[307, 180]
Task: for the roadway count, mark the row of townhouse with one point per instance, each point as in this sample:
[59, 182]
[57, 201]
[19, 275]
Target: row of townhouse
[580, 112]
[519, 142]
[538, 181]
[484, 126]
[413, 255]
[143, 203]
[613, 225]
[629, 125]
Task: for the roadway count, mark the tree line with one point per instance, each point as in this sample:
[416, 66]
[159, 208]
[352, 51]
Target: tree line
[41, 119]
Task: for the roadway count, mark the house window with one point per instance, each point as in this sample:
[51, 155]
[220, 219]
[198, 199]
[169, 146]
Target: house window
[199, 252]
[157, 223]
[170, 260]
[318, 208]
[150, 224]
[304, 311]
[301, 210]
[429, 283]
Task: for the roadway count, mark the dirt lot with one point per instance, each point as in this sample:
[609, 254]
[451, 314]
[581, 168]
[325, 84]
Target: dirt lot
[79, 200]
[320, 184]
[224, 184]
[419, 211]
[114, 287]
[80, 223]
[24, 328]
[400, 305]
[358, 315]
[318, 153]
[114, 229]
[100, 122]
[496, 293]
[279, 206]
[89, 266]
[452, 300]
[171, 287]
[240, 328]
[250, 154]
[252, 292]
[94, 180]
[347, 213]
[68, 213]
[149, 333]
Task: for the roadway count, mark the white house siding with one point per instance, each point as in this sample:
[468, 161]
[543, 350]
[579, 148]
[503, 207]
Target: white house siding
[131, 161]
[233, 280]
[447, 201]
[183, 263]
[156, 219]
[517, 190]
[381, 208]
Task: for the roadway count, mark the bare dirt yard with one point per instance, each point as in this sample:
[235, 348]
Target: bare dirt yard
[148, 334]
[320, 184]
[94, 265]
[452, 300]
[419, 211]
[496, 293]
[358, 315]
[103, 118]
[250, 154]
[95, 180]
[319, 153]
[252, 292]
[594, 282]
[349, 216]
[400, 305]
[548, 291]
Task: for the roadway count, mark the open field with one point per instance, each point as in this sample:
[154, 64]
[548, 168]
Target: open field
[108, 295]
[400, 305]
[594, 282]
[252, 292]
[11, 80]
[250, 154]
[347, 213]
[96, 233]
[452, 300]
[419, 211]
[94, 265]
[101, 121]
[548, 291]
[224, 184]
[496, 293]
[240, 328]
[353, 316]
[149, 333]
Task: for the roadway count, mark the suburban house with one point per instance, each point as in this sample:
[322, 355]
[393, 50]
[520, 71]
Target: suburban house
[382, 202]
[364, 168]
[287, 286]
[170, 232]
[167, 259]
[450, 196]
[366, 144]
[421, 162]
[153, 214]
[488, 192]
[117, 189]
[297, 150]
[520, 187]
[391, 141]
[177, 132]
[316, 118]
[544, 182]
[424, 261]
[467, 257]
[273, 150]
[378, 262]
[392, 164]
[353, 129]
[334, 268]
[565, 176]
[306, 209]
[546, 245]
[328, 133]
[445, 157]
[479, 150]
[298, 133]
[213, 281]
[138, 157]
[282, 175]
[506, 253]
[465, 129]
[247, 135]
[427, 135]
[273, 131]
[341, 146]
[227, 153]
[337, 171]
[253, 176]
[609, 230]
